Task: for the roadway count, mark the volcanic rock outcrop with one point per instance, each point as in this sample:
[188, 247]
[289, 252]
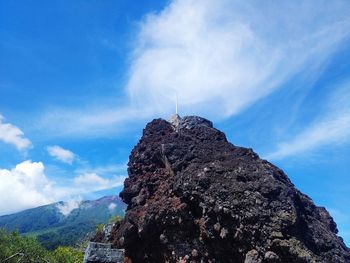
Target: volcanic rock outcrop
[194, 197]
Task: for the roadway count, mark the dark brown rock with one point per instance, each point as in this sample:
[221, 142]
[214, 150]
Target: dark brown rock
[194, 196]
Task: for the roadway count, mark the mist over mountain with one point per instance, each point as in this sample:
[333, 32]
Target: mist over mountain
[64, 223]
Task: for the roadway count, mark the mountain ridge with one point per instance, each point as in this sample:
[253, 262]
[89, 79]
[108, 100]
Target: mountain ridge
[52, 228]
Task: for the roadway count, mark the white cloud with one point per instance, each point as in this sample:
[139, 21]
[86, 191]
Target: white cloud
[61, 154]
[328, 131]
[13, 135]
[27, 186]
[112, 206]
[91, 122]
[332, 127]
[66, 208]
[220, 57]
[225, 55]
[95, 183]
[90, 179]
[23, 187]
[109, 169]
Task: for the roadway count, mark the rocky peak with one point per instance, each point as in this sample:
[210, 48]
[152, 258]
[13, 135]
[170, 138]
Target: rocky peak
[189, 122]
[194, 197]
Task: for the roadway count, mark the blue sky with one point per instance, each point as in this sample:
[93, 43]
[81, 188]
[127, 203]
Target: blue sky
[79, 80]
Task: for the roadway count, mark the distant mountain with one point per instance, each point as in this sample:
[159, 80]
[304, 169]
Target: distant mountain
[64, 223]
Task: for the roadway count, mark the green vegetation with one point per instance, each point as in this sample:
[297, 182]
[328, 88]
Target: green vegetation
[44, 235]
[99, 229]
[115, 219]
[17, 248]
[66, 236]
[67, 254]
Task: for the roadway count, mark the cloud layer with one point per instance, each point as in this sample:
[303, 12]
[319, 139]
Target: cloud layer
[13, 135]
[218, 56]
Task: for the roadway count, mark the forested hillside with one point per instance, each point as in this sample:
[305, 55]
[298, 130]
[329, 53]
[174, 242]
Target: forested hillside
[53, 226]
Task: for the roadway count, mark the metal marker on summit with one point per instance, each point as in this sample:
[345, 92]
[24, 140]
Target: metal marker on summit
[176, 105]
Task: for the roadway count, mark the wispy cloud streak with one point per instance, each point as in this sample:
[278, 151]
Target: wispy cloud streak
[61, 154]
[218, 56]
[332, 126]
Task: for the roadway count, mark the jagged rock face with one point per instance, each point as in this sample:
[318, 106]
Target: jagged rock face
[103, 253]
[194, 197]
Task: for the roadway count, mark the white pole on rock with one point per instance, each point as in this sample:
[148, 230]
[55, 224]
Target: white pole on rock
[176, 105]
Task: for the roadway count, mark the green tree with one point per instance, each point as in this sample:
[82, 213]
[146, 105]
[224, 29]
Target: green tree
[16, 248]
[115, 219]
[67, 254]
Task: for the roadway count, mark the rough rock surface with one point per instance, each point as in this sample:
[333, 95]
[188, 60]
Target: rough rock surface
[103, 253]
[194, 197]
